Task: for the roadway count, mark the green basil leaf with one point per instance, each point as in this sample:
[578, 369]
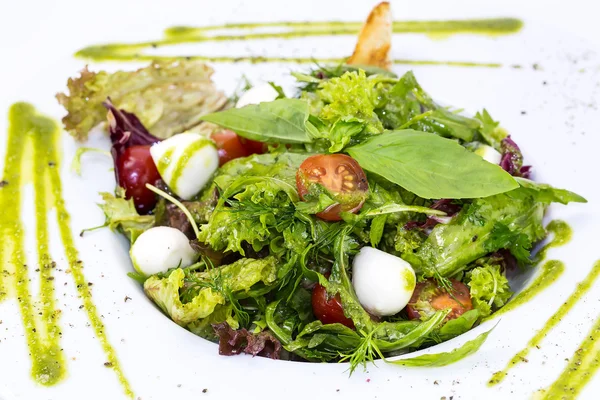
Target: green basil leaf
[430, 166]
[446, 358]
[279, 121]
[548, 194]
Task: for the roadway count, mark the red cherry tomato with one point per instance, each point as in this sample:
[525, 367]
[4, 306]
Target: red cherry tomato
[327, 309]
[135, 168]
[429, 297]
[253, 146]
[341, 176]
[229, 146]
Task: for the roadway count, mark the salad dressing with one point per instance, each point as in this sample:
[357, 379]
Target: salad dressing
[30, 131]
[549, 272]
[582, 288]
[289, 30]
[585, 361]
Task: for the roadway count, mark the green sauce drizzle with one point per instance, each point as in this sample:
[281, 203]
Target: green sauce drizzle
[562, 234]
[582, 288]
[584, 362]
[183, 34]
[28, 129]
[548, 274]
[550, 271]
[491, 26]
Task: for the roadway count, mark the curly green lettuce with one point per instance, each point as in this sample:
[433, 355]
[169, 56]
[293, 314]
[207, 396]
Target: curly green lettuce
[121, 215]
[256, 206]
[168, 97]
[489, 288]
[189, 297]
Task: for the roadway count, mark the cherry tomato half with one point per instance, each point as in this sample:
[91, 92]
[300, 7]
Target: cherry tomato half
[135, 168]
[341, 176]
[253, 146]
[429, 297]
[327, 309]
[229, 146]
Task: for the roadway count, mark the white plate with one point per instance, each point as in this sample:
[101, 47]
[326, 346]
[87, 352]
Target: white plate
[559, 132]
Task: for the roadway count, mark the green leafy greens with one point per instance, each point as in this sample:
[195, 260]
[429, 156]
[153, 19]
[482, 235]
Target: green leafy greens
[431, 166]
[168, 97]
[456, 218]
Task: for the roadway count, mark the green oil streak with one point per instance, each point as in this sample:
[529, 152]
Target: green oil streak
[27, 129]
[42, 332]
[63, 218]
[491, 26]
[582, 365]
[180, 35]
[562, 234]
[550, 271]
[582, 288]
[548, 274]
[125, 52]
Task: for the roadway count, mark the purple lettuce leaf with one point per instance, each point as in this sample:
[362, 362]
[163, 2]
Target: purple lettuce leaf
[232, 342]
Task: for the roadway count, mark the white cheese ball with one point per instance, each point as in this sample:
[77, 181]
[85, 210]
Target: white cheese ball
[383, 283]
[161, 248]
[256, 95]
[185, 162]
[489, 154]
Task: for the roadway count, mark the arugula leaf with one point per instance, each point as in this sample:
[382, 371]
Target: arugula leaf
[391, 208]
[431, 166]
[447, 123]
[279, 121]
[446, 358]
[459, 325]
[548, 194]
[376, 232]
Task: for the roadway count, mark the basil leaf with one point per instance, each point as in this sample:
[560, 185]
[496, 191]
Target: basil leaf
[442, 359]
[280, 121]
[548, 194]
[431, 166]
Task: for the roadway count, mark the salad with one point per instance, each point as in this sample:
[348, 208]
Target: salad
[355, 219]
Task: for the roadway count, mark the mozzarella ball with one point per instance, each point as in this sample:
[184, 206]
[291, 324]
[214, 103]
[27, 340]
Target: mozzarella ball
[489, 154]
[383, 283]
[186, 162]
[256, 95]
[161, 248]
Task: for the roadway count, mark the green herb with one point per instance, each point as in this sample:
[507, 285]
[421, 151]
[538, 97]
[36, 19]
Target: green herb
[446, 358]
[431, 166]
[122, 216]
[548, 194]
[279, 121]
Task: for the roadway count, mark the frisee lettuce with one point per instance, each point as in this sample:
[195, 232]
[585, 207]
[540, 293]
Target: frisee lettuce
[489, 288]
